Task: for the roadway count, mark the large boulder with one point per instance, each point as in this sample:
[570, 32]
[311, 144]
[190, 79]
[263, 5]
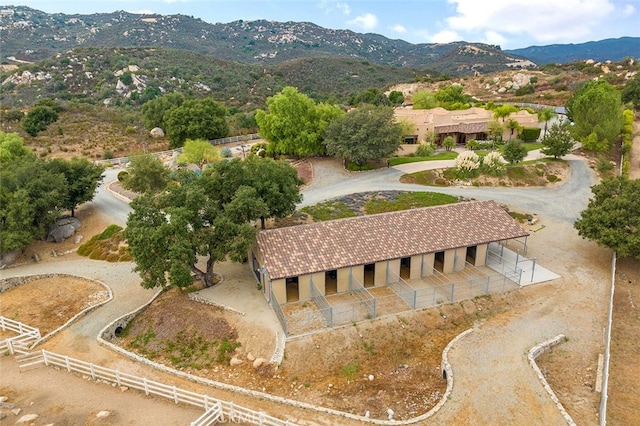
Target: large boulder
[63, 229]
[157, 132]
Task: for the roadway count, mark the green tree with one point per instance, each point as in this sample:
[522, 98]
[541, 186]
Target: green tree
[514, 152]
[396, 97]
[38, 118]
[276, 183]
[449, 143]
[83, 178]
[513, 126]
[503, 112]
[31, 197]
[631, 92]
[153, 111]
[596, 111]
[146, 174]
[611, 218]
[496, 130]
[424, 99]
[373, 96]
[294, 123]
[209, 217]
[12, 148]
[195, 119]
[451, 95]
[557, 141]
[544, 115]
[199, 152]
[365, 133]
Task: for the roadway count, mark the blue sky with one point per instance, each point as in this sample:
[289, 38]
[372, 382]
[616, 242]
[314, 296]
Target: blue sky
[509, 23]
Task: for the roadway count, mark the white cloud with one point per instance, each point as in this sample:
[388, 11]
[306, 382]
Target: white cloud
[328, 6]
[344, 8]
[628, 10]
[445, 36]
[368, 21]
[398, 28]
[542, 20]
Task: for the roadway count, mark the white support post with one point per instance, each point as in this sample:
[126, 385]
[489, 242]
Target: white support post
[146, 387]
[93, 373]
[175, 395]
[44, 357]
[118, 378]
[66, 362]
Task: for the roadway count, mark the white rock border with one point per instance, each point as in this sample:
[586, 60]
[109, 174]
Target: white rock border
[122, 322]
[536, 351]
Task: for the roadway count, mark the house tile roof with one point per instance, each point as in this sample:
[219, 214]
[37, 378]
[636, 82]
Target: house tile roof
[322, 246]
[462, 128]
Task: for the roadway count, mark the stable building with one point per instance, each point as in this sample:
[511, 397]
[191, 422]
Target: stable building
[294, 263]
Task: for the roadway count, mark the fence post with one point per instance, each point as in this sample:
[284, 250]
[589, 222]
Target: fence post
[515, 267]
[146, 387]
[44, 357]
[66, 361]
[374, 308]
[118, 378]
[93, 373]
[453, 286]
[415, 299]
[533, 269]
[10, 346]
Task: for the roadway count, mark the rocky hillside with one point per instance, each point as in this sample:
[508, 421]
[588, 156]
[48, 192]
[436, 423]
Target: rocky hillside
[612, 49]
[29, 35]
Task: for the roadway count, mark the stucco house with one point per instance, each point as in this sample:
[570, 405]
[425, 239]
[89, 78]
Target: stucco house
[325, 258]
[463, 125]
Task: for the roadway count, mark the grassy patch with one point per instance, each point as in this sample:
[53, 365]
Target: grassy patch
[350, 371]
[409, 200]
[108, 245]
[447, 155]
[328, 210]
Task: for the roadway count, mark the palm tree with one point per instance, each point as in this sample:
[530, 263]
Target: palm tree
[512, 125]
[545, 115]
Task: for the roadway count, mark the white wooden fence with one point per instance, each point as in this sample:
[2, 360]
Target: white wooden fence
[18, 344]
[215, 409]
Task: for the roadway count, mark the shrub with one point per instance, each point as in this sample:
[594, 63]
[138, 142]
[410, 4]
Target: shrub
[107, 155]
[467, 164]
[259, 148]
[475, 145]
[225, 152]
[123, 175]
[425, 150]
[530, 134]
[493, 164]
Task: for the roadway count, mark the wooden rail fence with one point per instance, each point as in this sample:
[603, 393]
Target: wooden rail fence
[215, 410]
[21, 343]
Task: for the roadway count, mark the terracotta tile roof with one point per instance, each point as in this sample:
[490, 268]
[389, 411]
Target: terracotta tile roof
[321, 246]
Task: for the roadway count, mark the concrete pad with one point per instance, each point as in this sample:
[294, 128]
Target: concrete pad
[532, 272]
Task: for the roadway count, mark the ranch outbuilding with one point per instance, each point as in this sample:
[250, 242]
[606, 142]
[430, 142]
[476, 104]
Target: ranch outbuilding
[396, 250]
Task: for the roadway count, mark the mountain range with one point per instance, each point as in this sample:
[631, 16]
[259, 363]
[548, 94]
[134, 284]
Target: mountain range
[30, 35]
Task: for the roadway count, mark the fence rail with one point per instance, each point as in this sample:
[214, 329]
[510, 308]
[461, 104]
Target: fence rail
[20, 343]
[215, 409]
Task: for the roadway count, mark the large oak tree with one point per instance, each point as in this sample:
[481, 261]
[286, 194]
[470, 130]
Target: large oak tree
[365, 133]
[208, 217]
[612, 218]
